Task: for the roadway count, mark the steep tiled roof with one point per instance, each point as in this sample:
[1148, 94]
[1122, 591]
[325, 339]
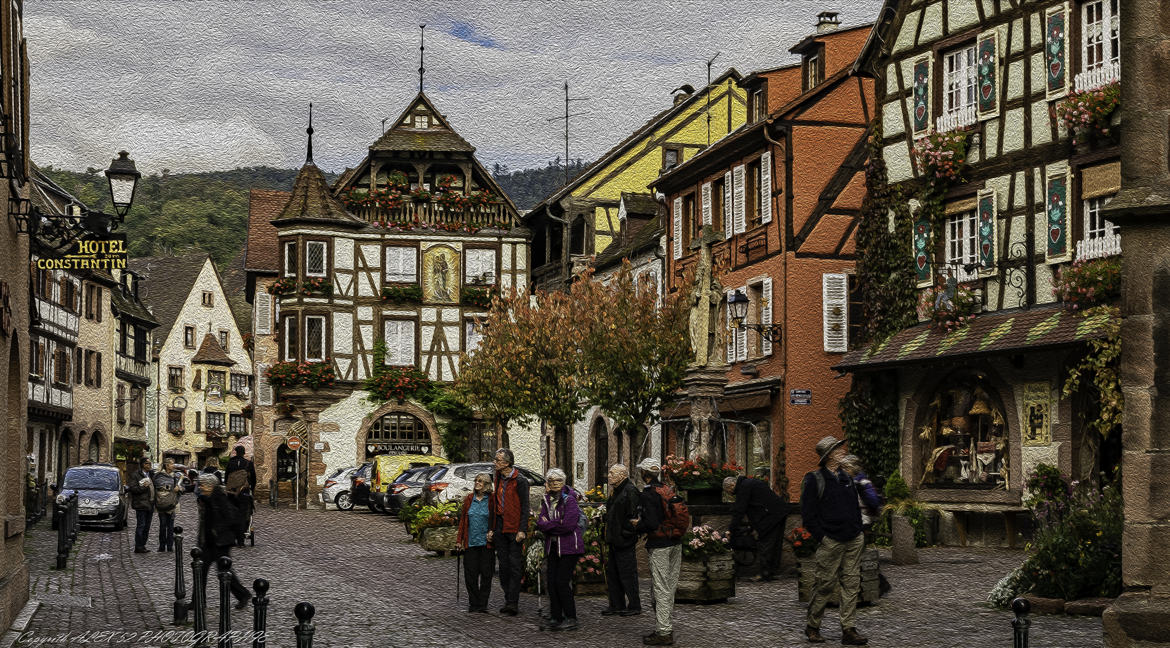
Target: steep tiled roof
[164, 285]
[311, 200]
[210, 352]
[430, 139]
[235, 283]
[127, 305]
[645, 237]
[262, 253]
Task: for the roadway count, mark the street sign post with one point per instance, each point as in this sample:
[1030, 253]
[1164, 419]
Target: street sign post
[294, 444]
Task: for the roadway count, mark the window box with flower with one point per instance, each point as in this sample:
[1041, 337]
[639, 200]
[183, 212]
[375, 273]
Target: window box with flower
[1087, 114]
[421, 195]
[316, 287]
[402, 294]
[1084, 284]
[949, 308]
[478, 296]
[283, 286]
[707, 574]
[314, 375]
[942, 157]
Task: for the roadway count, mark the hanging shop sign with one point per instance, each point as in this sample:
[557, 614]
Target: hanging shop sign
[108, 253]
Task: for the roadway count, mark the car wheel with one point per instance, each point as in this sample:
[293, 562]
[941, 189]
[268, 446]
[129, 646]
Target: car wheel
[344, 501]
[375, 508]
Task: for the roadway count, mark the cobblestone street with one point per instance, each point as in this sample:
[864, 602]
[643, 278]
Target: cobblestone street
[373, 588]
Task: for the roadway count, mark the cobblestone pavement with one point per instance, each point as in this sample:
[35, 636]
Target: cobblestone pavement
[374, 589]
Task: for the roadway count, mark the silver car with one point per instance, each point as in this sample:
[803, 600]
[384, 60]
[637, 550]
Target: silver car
[337, 489]
[101, 497]
[457, 480]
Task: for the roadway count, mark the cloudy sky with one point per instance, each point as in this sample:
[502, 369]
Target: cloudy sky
[195, 86]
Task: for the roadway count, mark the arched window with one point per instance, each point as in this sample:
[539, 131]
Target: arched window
[95, 448]
[398, 433]
[600, 452]
[964, 436]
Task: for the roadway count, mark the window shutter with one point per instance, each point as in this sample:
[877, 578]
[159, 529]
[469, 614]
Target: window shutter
[766, 187]
[987, 215]
[263, 389]
[731, 333]
[920, 118]
[740, 223]
[1056, 51]
[678, 228]
[741, 336]
[393, 262]
[707, 203]
[728, 206]
[766, 316]
[1057, 207]
[406, 342]
[987, 74]
[835, 298]
[263, 324]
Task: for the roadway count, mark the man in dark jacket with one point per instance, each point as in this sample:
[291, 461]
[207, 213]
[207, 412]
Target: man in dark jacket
[218, 521]
[141, 487]
[622, 509]
[508, 523]
[240, 488]
[765, 513]
[663, 550]
[829, 507]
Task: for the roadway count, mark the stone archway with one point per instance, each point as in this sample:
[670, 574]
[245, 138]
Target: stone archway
[383, 429]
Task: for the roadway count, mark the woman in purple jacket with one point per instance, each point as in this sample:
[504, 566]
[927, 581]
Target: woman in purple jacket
[564, 542]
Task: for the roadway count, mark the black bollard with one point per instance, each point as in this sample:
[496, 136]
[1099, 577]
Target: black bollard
[198, 599]
[1020, 625]
[180, 582]
[259, 612]
[62, 535]
[73, 520]
[225, 602]
[305, 628]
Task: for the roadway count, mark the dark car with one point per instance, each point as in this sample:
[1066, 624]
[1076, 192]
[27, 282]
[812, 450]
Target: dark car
[359, 491]
[408, 487]
[101, 497]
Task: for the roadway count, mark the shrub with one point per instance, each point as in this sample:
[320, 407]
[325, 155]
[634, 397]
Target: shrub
[899, 500]
[439, 515]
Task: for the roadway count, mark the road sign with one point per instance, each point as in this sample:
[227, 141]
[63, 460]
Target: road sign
[320, 445]
[800, 397]
[293, 443]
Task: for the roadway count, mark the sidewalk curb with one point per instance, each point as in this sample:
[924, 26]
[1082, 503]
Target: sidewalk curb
[20, 623]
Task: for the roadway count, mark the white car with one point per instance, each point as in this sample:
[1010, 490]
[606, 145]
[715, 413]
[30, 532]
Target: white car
[337, 489]
[457, 480]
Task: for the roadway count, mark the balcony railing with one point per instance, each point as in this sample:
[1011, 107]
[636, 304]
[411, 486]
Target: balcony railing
[1102, 246]
[128, 365]
[955, 119]
[1098, 76]
[430, 213]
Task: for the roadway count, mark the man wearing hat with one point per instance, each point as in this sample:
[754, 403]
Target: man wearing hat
[829, 507]
[664, 551]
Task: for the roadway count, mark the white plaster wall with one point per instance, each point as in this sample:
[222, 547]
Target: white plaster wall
[1041, 124]
[961, 14]
[906, 35]
[898, 162]
[347, 414]
[524, 440]
[1013, 132]
[931, 22]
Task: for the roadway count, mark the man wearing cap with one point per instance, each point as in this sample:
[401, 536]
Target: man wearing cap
[765, 512]
[829, 508]
[665, 552]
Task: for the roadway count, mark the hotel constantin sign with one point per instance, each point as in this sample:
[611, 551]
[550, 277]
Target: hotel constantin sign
[95, 254]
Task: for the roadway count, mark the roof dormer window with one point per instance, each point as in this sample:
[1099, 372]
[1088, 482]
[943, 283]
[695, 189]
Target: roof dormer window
[813, 69]
[422, 121]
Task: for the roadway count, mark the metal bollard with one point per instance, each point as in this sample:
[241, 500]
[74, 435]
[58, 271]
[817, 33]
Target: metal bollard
[1021, 624]
[180, 583]
[272, 493]
[198, 601]
[225, 602]
[73, 519]
[259, 612]
[62, 535]
[305, 628]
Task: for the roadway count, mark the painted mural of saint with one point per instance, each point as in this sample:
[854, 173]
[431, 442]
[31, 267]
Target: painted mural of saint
[440, 281]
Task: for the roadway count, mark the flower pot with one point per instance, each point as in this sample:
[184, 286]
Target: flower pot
[711, 580]
[439, 538]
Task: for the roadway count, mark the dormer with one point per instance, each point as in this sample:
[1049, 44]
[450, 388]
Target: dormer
[420, 120]
[812, 51]
[756, 88]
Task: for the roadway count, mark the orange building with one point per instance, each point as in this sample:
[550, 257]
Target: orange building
[784, 193]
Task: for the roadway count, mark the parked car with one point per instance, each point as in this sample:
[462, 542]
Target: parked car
[455, 481]
[359, 488]
[408, 488]
[101, 495]
[387, 468]
[337, 489]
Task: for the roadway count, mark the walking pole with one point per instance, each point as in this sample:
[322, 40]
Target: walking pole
[458, 560]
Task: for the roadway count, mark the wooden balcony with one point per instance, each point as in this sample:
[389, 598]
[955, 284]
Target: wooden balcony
[433, 214]
[130, 369]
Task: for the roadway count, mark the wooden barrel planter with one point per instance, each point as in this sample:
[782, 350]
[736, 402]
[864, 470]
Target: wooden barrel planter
[438, 538]
[711, 580]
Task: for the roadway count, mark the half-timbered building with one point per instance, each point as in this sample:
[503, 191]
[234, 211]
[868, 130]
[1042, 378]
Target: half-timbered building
[999, 145]
[393, 264]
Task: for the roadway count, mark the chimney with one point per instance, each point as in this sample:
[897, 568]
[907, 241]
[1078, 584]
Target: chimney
[827, 21]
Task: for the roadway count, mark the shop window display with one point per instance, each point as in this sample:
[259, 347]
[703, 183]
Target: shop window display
[964, 437]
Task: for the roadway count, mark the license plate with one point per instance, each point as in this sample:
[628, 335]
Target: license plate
[88, 511]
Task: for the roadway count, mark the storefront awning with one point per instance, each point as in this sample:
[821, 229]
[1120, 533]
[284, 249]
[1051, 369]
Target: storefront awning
[990, 333]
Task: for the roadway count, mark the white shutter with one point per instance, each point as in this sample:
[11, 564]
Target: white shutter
[766, 187]
[740, 223]
[707, 203]
[835, 298]
[406, 342]
[728, 206]
[401, 264]
[766, 316]
[263, 325]
[480, 262]
[741, 336]
[731, 333]
[678, 228]
[393, 262]
[263, 389]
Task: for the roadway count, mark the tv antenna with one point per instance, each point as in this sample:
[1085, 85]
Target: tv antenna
[566, 118]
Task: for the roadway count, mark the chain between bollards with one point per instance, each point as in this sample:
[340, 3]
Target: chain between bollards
[259, 612]
[305, 628]
[198, 599]
[1021, 624]
[225, 601]
[180, 584]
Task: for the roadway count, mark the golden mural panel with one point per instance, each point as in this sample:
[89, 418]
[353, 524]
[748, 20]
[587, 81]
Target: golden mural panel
[440, 276]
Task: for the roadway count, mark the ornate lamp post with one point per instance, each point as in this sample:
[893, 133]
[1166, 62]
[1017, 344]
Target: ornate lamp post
[737, 305]
[123, 178]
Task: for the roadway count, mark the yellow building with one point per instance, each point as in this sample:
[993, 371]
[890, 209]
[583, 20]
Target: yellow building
[582, 218]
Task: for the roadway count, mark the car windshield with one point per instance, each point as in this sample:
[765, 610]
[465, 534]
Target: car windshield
[408, 475]
[91, 479]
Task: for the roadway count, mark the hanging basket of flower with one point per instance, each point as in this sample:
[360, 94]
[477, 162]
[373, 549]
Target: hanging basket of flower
[1086, 114]
[942, 157]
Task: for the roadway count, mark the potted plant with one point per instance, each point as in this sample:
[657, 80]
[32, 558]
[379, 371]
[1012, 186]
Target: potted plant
[437, 526]
[700, 480]
[589, 575]
[708, 569]
[804, 547]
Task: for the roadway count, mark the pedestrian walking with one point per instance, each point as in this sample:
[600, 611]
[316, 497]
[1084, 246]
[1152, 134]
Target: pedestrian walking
[831, 513]
[218, 520]
[564, 542]
[509, 526]
[479, 560]
[621, 569]
[240, 483]
[141, 489]
[664, 527]
[211, 467]
[766, 513]
[168, 486]
[871, 505]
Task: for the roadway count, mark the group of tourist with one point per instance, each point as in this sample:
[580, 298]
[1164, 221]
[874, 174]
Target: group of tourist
[494, 521]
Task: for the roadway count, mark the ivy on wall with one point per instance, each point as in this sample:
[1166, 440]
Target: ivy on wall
[869, 416]
[1097, 372]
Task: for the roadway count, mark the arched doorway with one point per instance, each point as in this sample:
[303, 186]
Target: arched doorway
[94, 451]
[398, 433]
[286, 463]
[64, 444]
[600, 452]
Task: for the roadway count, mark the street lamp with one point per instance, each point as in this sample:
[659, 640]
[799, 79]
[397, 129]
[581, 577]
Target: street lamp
[737, 307]
[123, 177]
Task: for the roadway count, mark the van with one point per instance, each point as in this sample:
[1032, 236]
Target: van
[386, 468]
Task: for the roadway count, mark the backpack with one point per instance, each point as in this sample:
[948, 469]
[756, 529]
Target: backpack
[676, 517]
[237, 481]
[582, 521]
[166, 500]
